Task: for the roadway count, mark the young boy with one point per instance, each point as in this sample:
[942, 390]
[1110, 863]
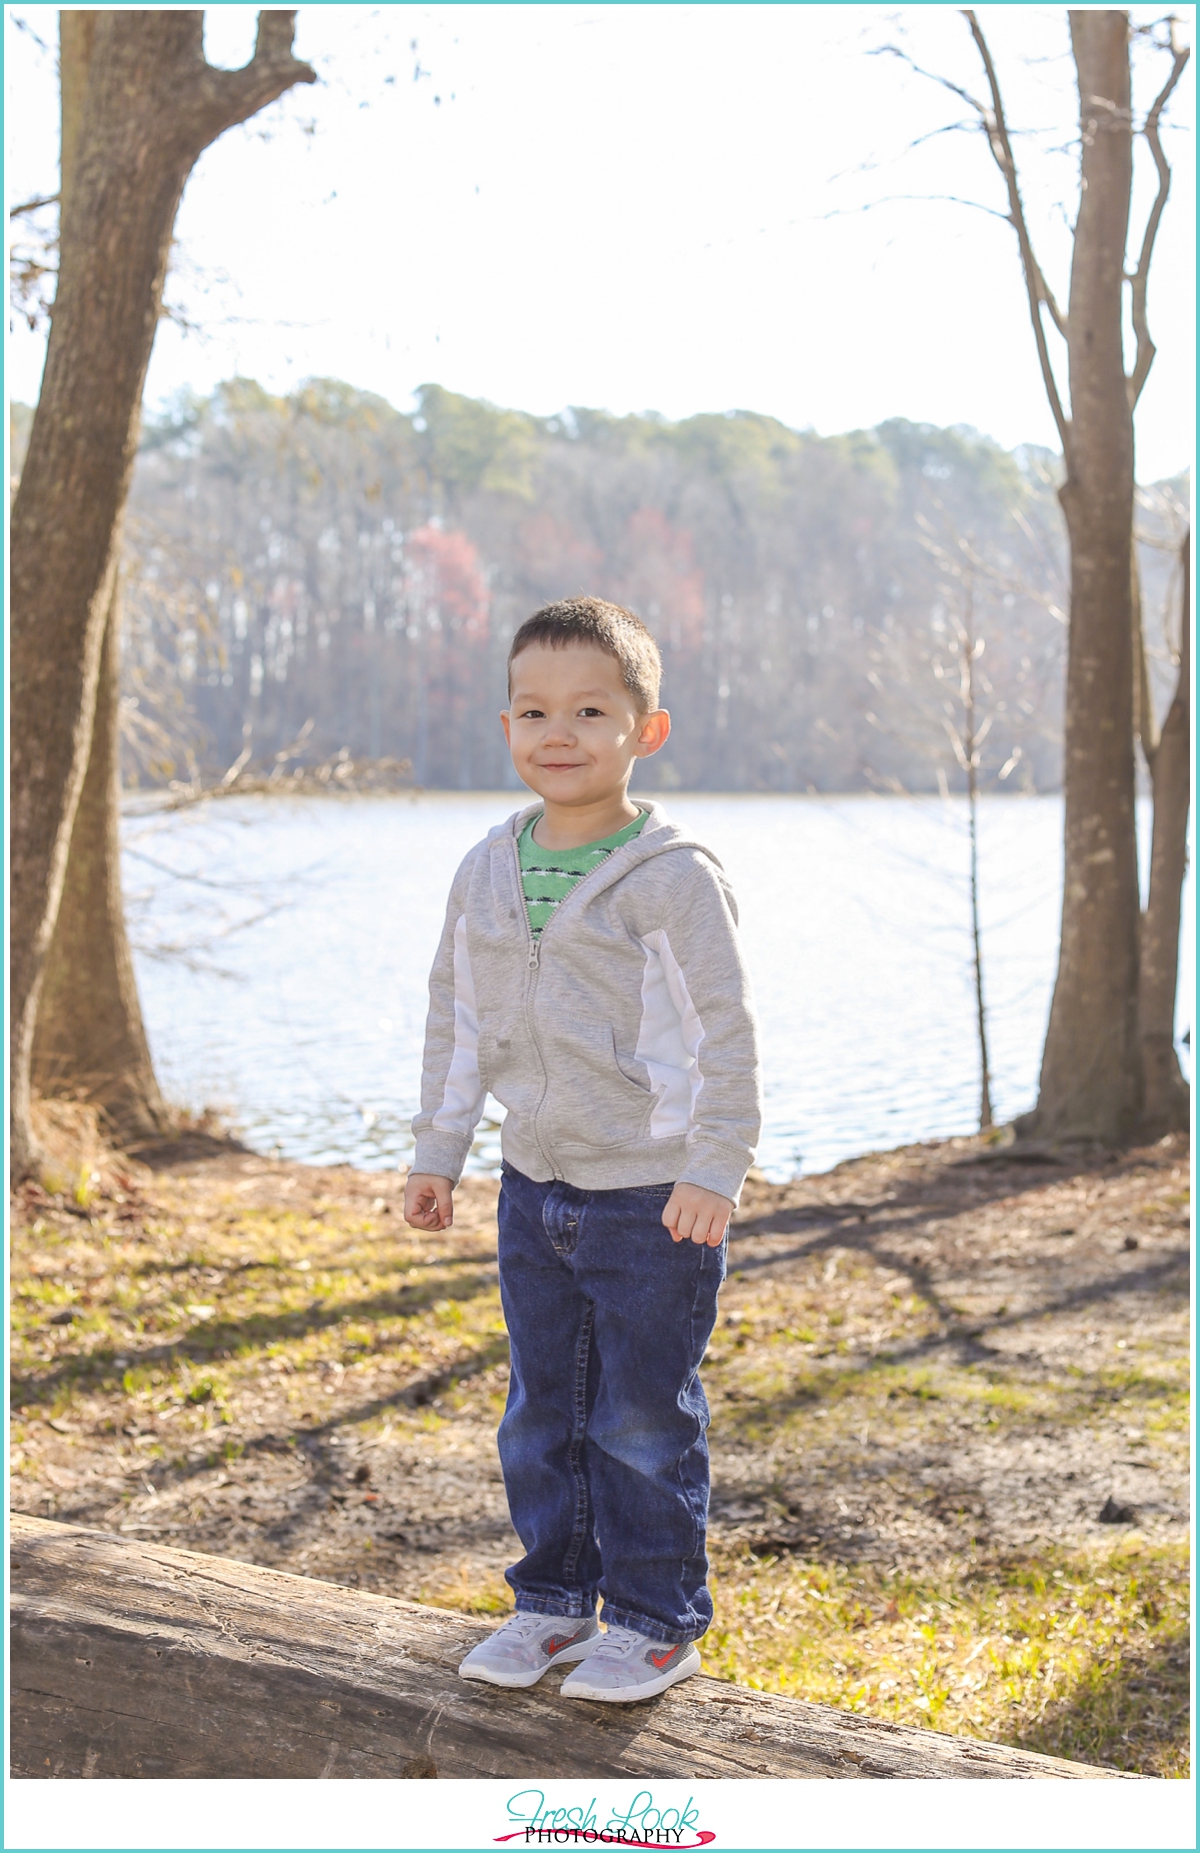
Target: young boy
[589, 976]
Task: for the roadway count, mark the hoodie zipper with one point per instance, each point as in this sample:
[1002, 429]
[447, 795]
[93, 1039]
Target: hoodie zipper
[531, 971]
[532, 967]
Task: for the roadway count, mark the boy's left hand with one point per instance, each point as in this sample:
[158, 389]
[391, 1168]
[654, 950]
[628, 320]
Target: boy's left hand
[697, 1215]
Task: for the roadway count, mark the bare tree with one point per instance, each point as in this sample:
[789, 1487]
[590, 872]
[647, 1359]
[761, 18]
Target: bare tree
[968, 584]
[1091, 1079]
[969, 649]
[1168, 756]
[967, 733]
[151, 105]
[89, 1037]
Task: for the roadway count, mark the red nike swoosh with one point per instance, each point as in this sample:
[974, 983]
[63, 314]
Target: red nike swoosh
[661, 1660]
[558, 1641]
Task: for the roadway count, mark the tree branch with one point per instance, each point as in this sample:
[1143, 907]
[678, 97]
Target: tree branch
[895, 51]
[1037, 288]
[1144, 358]
[918, 141]
[32, 205]
[920, 199]
[230, 97]
[1144, 726]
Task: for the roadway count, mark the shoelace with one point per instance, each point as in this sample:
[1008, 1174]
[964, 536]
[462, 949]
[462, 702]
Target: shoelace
[616, 1643]
[519, 1626]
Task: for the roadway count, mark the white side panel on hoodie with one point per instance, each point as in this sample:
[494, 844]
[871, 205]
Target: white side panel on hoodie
[669, 1040]
[462, 1102]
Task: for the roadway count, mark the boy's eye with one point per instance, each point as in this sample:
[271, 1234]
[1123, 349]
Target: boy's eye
[589, 713]
[532, 714]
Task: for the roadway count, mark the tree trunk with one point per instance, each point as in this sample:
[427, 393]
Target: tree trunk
[1091, 1069]
[135, 1661]
[90, 1040]
[151, 106]
[1167, 1099]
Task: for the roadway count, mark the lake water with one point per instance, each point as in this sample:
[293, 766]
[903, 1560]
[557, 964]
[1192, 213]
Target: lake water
[284, 946]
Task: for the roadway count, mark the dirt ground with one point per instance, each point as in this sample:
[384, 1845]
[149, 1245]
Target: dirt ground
[949, 1393]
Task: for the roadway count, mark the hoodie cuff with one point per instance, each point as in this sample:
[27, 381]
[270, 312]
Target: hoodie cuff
[441, 1154]
[721, 1168]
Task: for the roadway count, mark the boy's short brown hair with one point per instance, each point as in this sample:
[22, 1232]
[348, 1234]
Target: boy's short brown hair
[606, 627]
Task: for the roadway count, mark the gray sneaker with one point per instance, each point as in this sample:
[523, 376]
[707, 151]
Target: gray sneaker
[522, 1648]
[626, 1666]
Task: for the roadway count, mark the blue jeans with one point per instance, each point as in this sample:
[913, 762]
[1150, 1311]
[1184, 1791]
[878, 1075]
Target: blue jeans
[603, 1439]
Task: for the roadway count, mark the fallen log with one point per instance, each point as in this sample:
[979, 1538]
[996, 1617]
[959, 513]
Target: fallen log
[133, 1659]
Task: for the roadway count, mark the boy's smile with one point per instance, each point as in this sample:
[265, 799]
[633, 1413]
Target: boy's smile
[574, 731]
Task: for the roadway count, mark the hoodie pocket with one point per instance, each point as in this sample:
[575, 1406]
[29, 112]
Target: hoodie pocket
[593, 1101]
[507, 1068]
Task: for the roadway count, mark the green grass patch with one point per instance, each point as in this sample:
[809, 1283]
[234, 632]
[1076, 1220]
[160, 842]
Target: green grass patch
[1081, 1655]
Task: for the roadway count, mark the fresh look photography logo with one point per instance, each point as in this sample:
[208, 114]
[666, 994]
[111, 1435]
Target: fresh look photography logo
[645, 1822]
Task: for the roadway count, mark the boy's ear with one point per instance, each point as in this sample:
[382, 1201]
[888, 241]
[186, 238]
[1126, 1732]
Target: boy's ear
[504, 717]
[655, 730]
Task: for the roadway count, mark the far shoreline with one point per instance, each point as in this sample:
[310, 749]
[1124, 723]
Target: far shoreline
[155, 801]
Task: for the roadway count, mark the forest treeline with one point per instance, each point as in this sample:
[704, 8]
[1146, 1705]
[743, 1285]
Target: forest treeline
[320, 574]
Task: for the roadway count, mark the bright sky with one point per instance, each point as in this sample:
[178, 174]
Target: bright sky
[678, 207]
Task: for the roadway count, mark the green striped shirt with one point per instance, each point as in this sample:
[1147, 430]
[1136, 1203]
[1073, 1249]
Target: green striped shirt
[548, 875]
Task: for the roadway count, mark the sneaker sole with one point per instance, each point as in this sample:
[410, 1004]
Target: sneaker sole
[578, 1650]
[631, 1695]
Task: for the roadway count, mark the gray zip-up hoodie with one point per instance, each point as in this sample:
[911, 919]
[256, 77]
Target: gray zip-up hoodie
[622, 1042]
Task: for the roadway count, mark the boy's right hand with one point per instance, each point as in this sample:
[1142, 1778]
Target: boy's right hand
[428, 1201]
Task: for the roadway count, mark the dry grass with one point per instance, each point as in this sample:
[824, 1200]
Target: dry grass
[1081, 1655]
[68, 1132]
[211, 1328]
[263, 1361]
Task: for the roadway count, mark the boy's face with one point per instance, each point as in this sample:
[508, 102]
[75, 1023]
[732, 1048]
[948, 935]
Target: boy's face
[572, 726]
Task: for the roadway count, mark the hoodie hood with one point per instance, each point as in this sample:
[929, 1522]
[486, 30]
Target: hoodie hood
[657, 835]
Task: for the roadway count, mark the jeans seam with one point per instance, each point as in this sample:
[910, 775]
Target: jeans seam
[575, 1452]
[700, 1533]
[546, 1229]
